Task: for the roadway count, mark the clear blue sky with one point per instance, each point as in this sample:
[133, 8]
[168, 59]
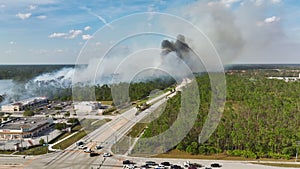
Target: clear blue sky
[54, 31]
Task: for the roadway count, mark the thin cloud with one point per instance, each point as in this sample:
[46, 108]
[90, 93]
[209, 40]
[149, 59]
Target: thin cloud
[41, 17]
[87, 28]
[272, 19]
[276, 1]
[86, 37]
[57, 35]
[23, 16]
[32, 7]
[70, 35]
[74, 33]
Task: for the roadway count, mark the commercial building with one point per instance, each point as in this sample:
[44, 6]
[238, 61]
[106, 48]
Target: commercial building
[18, 128]
[25, 104]
[86, 106]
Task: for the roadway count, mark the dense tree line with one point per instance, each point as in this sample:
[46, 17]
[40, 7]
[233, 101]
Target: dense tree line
[123, 92]
[261, 118]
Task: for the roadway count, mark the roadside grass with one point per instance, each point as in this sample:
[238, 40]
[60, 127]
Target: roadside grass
[125, 109]
[222, 156]
[122, 146]
[68, 142]
[66, 134]
[94, 125]
[61, 136]
[137, 130]
[37, 150]
[89, 126]
[6, 151]
[76, 128]
[106, 102]
[279, 165]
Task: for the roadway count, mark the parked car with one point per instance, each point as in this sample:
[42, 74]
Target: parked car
[150, 163]
[196, 165]
[125, 162]
[165, 163]
[192, 167]
[176, 167]
[186, 163]
[215, 165]
[145, 166]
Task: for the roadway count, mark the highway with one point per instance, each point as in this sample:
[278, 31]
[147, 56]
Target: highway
[106, 135]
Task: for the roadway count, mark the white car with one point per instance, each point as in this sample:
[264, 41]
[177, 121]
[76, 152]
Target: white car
[88, 150]
[107, 155]
[82, 147]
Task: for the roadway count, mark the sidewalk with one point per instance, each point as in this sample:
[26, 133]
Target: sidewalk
[51, 145]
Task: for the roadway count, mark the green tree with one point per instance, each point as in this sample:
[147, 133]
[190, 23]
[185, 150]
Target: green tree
[42, 141]
[28, 113]
[60, 126]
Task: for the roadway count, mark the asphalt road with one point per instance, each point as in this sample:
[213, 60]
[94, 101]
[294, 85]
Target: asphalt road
[106, 135]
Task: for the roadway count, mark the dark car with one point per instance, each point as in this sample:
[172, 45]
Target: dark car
[150, 163]
[126, 162]
[192, 167]
[176, 167]
[79, 143]
[145, 166]
[215, 165]
[98, 147]
[196, 165]
[165, 163]
[92, 154]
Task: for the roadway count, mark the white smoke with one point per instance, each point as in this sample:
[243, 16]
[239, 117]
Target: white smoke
[241, 31]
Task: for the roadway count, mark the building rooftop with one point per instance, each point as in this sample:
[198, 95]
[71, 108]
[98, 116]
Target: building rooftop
[28, 101]
[25, 123]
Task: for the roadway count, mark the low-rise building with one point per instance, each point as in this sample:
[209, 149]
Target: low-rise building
[25, 104]
[18, 128]
[86, 106]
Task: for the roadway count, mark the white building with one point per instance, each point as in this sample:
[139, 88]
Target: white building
[86, 106]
